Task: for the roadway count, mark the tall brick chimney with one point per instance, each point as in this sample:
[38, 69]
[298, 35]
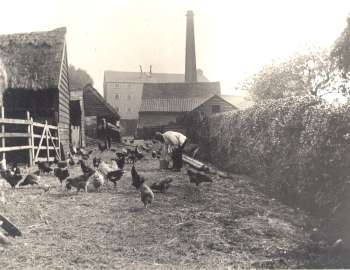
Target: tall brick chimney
[190, 68]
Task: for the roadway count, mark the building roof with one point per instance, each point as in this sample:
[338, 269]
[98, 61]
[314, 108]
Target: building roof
[212, 97]
[170, 104]
[32, 60]
[180, 90]
[96, 105]
[124, 76]
[240, 102]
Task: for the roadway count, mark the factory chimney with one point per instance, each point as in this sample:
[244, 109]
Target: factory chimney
[190, 68]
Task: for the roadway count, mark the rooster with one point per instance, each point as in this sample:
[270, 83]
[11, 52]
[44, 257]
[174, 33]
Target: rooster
[84, 155]
[162, 185]
[136, 178]
[11, 177]
[198, 177]
[147, 195]
[112, 174]
[120, 160]
[115, 176]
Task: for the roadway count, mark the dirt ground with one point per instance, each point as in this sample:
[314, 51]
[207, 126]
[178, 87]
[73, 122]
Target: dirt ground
[221, 225]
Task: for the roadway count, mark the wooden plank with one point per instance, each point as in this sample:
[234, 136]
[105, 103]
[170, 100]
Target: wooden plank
[54, 146]
[14, 148]
[47, 142]
[39, 136]
[40, 143]
[194, 163]
[14, 121]
[49, 148]
[30, 143]
[14, 134]
[3, 131]
[45, 159]
[43, 125]
[32, 137]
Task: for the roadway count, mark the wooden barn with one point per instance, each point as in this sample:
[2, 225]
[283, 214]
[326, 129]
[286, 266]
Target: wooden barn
[164, 104]
[214, 104]
[34, 78]
[96, 108]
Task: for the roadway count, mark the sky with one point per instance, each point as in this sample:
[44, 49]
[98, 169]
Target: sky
[234, 39]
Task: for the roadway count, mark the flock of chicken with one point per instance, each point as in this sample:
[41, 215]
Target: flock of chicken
[98, 174]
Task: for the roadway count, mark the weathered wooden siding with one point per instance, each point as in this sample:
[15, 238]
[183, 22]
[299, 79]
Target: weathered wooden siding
[63, 103]
[151, 119]
[207, 107]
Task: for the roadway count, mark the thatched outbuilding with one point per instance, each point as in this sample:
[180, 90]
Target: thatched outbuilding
[34, 78]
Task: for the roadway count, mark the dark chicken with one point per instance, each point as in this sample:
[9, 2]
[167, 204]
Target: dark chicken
[86, 169]
[101, 147]
[137, 180]
[79, 182]
[9, 227]
[162, 185]
[115, 176]
[198, 177]
[31, 179]
[96, 161]
[11, 177]
[61, 174]
[44, 166]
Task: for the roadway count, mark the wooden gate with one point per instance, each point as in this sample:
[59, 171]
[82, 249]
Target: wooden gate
[33, 134]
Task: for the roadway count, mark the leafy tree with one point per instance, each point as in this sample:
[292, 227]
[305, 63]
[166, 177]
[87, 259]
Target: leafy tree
[78, 78]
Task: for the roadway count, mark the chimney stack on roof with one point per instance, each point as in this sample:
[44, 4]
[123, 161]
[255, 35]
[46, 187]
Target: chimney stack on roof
[190, 67]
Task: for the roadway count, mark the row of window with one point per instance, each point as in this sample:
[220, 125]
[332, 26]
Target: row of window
[117, 97]
[119, 85]
[117, 109]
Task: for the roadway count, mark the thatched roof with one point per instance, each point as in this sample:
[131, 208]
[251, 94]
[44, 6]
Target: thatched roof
[32, 60]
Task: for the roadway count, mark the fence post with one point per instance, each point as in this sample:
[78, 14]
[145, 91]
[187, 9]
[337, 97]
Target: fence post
[32, 137]
[47, 142]
[3, 132]
[30, 152]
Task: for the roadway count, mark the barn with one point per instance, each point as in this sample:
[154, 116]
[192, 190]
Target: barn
[88, 108]
[214, 104]
[164, 104]
[34, 78]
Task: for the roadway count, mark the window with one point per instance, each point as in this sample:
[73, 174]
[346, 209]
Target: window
[129, 110]
[129, 97]
[117, 96]
[116, 85]
[215, 108]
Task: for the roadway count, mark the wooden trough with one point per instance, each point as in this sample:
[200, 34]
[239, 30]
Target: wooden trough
[195, 163]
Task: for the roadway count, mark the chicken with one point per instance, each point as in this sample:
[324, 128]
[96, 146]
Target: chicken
[96, 162]
[30, 179]
[111, 173]
[139, 155]
[120, 160]
[154, 154]
[84, 155]
[79, 182]
[115, 176]
[72, 159]
[44, 166]
[11, 177]
[198, 177]
[61, 173]
[86, 169]
[137, 180]
[101, 147]
[9, 227]
[61, 163]
[73, 149]
[97, 180]
[162, 185]
[147, 195]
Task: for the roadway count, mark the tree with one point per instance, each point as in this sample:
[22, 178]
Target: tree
[78, 78]
[313, 73]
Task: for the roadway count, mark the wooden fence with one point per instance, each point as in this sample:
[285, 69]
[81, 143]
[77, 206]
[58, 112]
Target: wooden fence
[44, 133]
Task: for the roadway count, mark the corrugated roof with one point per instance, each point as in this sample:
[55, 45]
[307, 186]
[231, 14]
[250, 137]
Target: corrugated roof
[32, 60]
[180, 90]
[125, 76]
[170, 104]
[240, 102]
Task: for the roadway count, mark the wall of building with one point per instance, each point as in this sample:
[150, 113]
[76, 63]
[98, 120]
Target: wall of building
[210, 107]
[150, 119]
[124, 97]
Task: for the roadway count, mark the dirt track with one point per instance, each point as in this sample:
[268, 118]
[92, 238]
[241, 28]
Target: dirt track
[226, 223]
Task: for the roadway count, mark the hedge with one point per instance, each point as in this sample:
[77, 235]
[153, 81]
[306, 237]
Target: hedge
[298, 148]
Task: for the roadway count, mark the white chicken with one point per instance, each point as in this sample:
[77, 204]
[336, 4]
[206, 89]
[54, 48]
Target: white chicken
[97, 180]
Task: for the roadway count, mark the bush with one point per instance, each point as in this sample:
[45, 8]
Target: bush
[298, 148]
